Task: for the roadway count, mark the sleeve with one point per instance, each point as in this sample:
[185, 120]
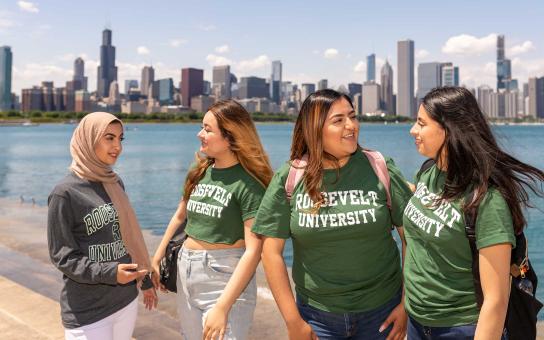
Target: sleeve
[64, 251]
[494, 221]
[400, 192]
[274, 215]
[250, 199]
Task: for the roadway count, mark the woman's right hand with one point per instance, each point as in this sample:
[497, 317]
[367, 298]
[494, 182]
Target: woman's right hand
[155, 276]
[128, 272]
[301, 330]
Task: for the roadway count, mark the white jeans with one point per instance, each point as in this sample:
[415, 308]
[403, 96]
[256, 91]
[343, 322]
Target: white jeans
[118, 326]
[202, 277]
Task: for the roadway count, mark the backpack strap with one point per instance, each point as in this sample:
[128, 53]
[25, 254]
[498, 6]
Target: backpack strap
[296, 171]
[470, 232]
[379, 165]
[377, 162]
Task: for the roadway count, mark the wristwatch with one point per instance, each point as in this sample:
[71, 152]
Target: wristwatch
[146, 282]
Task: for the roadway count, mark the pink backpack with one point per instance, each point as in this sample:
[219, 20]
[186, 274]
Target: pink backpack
[377, 161]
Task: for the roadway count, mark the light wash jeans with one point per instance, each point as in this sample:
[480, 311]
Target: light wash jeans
[202, 277]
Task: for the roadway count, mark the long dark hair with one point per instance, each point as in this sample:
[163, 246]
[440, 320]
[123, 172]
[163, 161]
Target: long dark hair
[473, 158]
[308, 138]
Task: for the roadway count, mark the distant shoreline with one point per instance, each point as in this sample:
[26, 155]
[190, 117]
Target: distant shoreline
[57, 121]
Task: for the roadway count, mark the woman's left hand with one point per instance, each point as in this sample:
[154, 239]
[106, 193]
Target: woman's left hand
[399, 320]
[150, 298]
[215, 324]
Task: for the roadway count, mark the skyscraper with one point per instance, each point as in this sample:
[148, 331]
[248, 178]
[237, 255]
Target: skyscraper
[221, 87]
[148, 77]
[192, 84]
[536, 97]
[405, 80]
[371, 98]
[386, 76]
[371, 67]
[80, 81]
[450, 75]
[253, 87]
[322, 84]
[504, 71]
[306, 90]
[6, 63]
[428, 77]
[275, 82]
[107, 71]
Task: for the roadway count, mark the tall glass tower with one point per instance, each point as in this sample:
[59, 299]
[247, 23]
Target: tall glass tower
[6, 61]
[107, 71]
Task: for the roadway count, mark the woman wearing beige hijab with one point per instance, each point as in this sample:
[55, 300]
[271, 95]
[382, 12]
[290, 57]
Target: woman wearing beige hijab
[95, 240]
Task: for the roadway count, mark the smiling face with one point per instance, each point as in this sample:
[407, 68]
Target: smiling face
[109, 146]
[212, 141]
[428, 133]
[341, 130]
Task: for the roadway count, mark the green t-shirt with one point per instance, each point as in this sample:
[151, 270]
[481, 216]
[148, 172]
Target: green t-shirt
[438, 280]
[220, 203]
[344, 258]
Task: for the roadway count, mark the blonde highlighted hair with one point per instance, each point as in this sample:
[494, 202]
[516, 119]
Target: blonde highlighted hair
[238, 128]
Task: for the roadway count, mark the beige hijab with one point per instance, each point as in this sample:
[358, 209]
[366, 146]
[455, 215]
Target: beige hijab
[85, 164]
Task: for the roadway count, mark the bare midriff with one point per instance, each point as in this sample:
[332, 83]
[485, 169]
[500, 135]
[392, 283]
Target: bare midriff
[194, 244]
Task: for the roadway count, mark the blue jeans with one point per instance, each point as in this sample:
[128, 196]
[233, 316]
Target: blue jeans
[417, 331]
[344, 326]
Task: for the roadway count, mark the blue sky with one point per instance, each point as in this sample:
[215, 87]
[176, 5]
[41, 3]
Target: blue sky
[313, 39]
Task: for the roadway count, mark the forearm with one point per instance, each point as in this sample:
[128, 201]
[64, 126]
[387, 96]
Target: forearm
[491, 319]
[81, 269]
[175, 222]
[278, 280]
[240, 278]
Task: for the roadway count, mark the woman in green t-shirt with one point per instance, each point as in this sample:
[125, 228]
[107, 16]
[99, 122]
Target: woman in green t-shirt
[216, 285]
[346, 264]
[470, 173]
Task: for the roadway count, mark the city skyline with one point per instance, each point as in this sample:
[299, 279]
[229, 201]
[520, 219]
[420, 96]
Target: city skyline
[207, 41]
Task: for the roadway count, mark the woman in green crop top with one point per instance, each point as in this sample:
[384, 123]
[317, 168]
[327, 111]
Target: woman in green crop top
[222, 193]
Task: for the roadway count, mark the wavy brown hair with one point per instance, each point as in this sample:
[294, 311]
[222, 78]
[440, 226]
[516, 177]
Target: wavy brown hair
[236, 126]
[308, 138]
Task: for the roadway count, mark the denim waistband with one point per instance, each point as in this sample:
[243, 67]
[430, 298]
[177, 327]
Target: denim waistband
[196, 254]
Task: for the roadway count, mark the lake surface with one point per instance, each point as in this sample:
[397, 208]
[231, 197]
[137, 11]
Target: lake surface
[156, 158]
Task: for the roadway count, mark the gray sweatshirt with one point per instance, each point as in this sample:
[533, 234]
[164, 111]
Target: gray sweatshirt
[85, 245]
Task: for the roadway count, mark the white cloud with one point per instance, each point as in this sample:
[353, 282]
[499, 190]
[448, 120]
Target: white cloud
[142, 50]
[330, 53]
[249, 65]
[465, 44]
[207, 28]
[422, 54]
[27, 6]
[177, 42]
[521, 49]
[222, 49]
[217, 60]
[360, 67]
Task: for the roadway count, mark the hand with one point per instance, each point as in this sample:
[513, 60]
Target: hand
[128, 272]
[301, 330]
[215, 323]
[150, 298]
[155, 276]
[398, 318]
